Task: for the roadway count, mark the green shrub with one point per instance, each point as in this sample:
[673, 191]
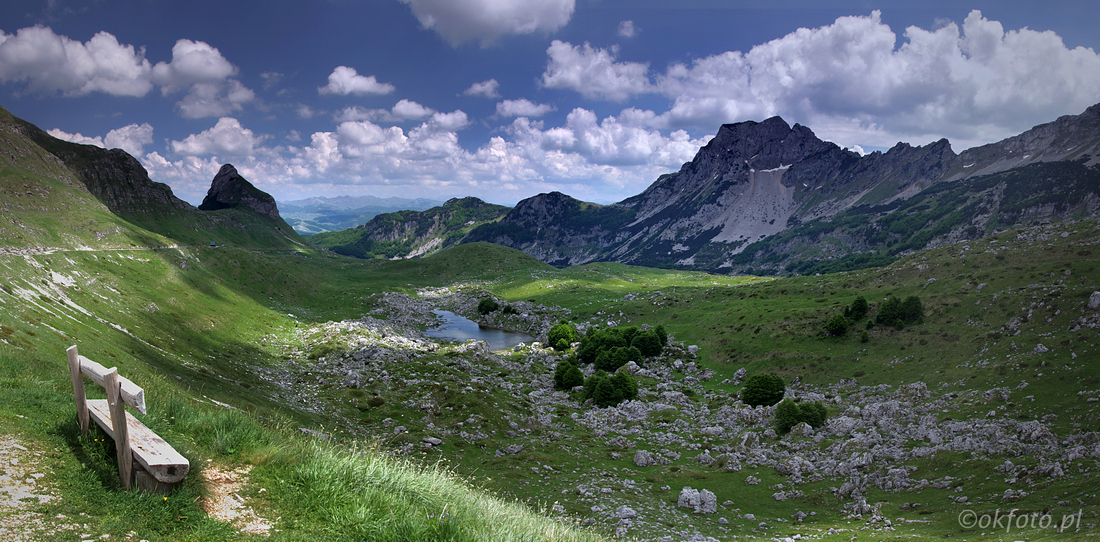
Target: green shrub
[662, 334]
[889, 314]
[789, 414]
[625, 385]
[763, 389]
[911, 310]
[562, 333]
[567, 375]
[858, 309]
[608, 391]
[786, 416]
[508, 309]
[648, 343]
[837, 325]
[487, 305]
[864, 336]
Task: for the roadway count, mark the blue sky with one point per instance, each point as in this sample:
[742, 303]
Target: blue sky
[504, 99]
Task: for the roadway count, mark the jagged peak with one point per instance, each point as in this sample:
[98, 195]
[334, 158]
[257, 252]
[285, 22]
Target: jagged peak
[229, 189]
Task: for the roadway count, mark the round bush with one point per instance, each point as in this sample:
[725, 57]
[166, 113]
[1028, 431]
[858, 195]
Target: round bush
[487, 305]
[763, 390]
[837, 325]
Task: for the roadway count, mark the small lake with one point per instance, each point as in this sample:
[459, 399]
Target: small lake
[458, 328]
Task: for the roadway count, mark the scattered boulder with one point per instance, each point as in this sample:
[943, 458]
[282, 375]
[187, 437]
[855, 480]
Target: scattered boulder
[1094, 301]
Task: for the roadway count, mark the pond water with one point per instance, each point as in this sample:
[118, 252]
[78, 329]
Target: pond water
[458, 328]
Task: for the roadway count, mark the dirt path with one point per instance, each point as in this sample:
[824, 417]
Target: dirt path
[23, 485]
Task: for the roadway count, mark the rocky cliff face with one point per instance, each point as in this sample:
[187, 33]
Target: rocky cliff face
[230, 190]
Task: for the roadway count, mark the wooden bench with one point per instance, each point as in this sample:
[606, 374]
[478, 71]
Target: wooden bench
[159, 466]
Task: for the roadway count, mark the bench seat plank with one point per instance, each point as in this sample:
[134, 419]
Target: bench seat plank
[154, 454]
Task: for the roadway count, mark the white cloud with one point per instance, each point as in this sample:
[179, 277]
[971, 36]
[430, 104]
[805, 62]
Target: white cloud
[854, 84]
[214, 99]
[305, 112]
[486, 89]
[206, 74]
[459, 21]
[344, 81]
[226, 139]
[410, 110]
[131, 138]
[627, 29]
[48, 62]
[522, 108]
[403, 111]
[593, 72]
[449, 122]
[192, 62]
[75, 138]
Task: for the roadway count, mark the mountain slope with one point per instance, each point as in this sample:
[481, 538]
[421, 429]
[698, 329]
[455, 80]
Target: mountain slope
[129, 208]
[760, 182]
[408, 234]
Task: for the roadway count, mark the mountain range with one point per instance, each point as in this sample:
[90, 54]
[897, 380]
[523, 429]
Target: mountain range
[768, 197]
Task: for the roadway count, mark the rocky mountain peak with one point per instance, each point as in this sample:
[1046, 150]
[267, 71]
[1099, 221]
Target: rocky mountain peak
[542, 210]
[229, 189]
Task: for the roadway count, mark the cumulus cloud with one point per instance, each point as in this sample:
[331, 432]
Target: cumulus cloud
[485, 89]
[627, 29]
[975, 83]
[460, 21]
[410, 110]
[344, 81]
[131, 138]
[594, 72]
[404, 110]
[226, 139]
[192, 62]
[75, 138]
[214, 99]
[522, 108]
[47, 62]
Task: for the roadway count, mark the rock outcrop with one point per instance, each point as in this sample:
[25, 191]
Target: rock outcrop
[230, 190]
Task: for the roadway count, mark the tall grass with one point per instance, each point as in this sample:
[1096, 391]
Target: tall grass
[359, 493]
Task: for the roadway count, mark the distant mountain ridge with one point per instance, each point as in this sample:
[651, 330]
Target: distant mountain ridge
[321, 214]
[756, 181]
[408, 234]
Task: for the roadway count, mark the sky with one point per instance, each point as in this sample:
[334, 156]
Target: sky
[506, 99]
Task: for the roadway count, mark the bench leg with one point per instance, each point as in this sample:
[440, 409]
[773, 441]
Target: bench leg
[118, 422]
[78, 389]
[145, 482]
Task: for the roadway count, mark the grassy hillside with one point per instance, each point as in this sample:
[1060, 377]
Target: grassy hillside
[245, 328]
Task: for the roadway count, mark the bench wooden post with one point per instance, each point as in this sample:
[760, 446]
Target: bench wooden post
[118, 420]
[78, 389]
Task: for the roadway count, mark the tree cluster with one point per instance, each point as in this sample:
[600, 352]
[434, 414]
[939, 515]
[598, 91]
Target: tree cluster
[789, 414]
[609, 349]
[604, 390]
[899, 313]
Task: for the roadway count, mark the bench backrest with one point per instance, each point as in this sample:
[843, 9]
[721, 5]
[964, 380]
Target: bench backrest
[132, 394]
